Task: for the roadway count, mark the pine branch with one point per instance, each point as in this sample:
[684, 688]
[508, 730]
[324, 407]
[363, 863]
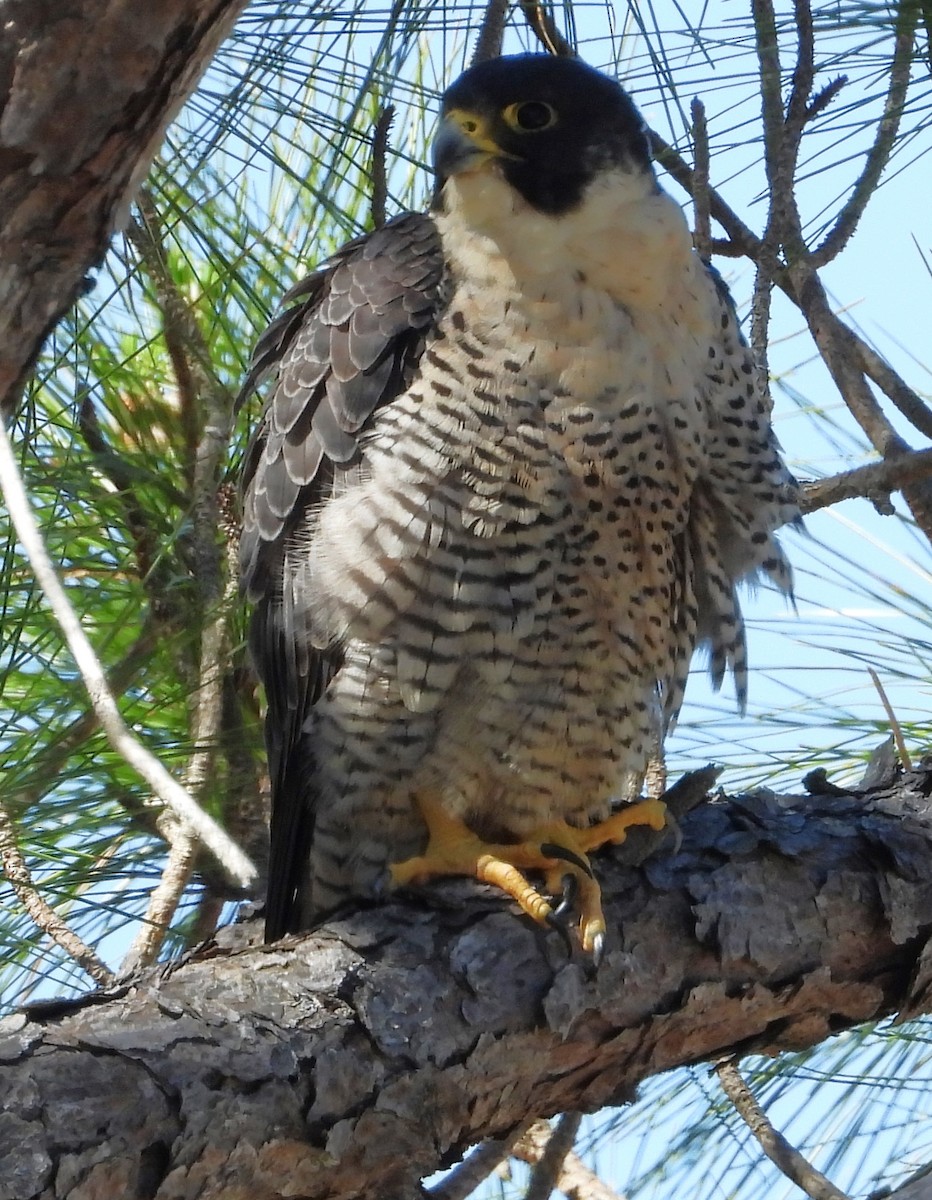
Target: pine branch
[491, 31]
[874, 482]
[544, 28]
[352, 1061]
[879, 154]
[379, 171]
[773, 1143]
[118, 734]
[575, 1179]
[44, 916]
[702, 235]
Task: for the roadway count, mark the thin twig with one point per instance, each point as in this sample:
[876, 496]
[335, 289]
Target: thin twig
[760, 317]
[726, 249]
[773, 1143]
[247, 788]
[379, 173]
[549, 1167]
[673, 162]
[833, 339]
[20, 880]
[575, 1179]
[544, 28]
[121, 739]
[873, 482]
[896, 389]
[183, 848]
[887, 129]
[191, 360]
[823, 98]
[778, 163]
[702, 234]
[797, 107]
[895, 727]
[491, 31]
[783, 221]
[463, 1180]
[163, 901]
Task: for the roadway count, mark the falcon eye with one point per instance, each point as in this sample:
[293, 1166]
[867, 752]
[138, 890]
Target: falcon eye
[531, 116]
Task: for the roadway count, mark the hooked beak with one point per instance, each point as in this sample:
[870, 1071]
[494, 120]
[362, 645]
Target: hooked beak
[463, 143]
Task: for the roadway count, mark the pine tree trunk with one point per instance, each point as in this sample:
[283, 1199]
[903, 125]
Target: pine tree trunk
[87, 88]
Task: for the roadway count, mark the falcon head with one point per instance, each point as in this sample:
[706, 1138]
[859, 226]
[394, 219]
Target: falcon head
[548, 125]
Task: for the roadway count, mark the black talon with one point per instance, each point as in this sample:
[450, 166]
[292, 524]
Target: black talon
[551, 850]
[568, 899]
[559, 926]
[674, 826]
[598, 949]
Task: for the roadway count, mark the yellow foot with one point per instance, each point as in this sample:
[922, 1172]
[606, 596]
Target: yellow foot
[557, 849]
[614, 829]
[453, 849]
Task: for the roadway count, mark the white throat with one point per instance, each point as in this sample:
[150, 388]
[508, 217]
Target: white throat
[626, 237]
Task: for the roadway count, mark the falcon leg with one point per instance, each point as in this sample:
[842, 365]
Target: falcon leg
[614, 829]
[557, 849]
[567, 842]
[453, 849]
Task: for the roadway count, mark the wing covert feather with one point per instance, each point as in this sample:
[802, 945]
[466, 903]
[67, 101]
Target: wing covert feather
[347, 347]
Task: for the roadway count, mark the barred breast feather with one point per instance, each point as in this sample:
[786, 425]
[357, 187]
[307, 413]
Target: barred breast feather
[503, 486]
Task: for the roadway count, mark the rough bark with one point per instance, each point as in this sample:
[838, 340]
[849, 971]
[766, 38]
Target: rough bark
[353, 1061]
[87, 88]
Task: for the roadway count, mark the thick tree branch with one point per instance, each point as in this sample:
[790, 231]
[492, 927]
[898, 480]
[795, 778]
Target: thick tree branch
[357, 1059]
[87, 89]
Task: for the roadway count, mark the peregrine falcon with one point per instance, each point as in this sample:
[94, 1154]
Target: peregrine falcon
[514, 462]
